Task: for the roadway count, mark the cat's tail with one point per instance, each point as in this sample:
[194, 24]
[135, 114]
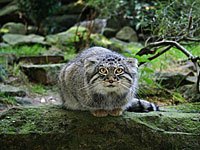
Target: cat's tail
[139, 105]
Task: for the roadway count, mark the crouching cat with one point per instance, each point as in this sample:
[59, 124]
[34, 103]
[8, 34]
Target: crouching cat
[102, 82]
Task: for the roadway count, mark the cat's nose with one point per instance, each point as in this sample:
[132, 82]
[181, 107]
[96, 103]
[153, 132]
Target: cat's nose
[111, 79]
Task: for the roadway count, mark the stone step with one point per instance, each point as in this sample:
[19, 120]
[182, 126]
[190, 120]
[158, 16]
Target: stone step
[46, 74]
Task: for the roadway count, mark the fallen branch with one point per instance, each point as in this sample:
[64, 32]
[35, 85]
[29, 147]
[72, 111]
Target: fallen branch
[168, 45]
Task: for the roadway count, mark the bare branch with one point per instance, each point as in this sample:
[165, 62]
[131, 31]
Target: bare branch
[170, 44]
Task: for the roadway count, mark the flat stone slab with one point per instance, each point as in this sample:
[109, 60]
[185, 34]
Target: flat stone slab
[16, 39]
[43, 74]
[51, 127]
[9, 90]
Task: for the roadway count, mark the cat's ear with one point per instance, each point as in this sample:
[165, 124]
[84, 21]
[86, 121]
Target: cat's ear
[88, 62]
[133, 62]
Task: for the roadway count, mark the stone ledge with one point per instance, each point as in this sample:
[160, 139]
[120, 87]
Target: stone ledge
[51, 127]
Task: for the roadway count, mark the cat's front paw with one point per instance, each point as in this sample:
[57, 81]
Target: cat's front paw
[116, 112]
[99, 113]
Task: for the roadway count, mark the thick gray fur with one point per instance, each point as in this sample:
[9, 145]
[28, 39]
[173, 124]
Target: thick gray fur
[81, 89]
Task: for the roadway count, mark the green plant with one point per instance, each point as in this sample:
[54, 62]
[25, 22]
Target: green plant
[38, 88]
[8, 100]
[171, 18]
[23, 50]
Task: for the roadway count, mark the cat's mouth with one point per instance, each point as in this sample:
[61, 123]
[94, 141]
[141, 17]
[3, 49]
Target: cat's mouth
[110, 85]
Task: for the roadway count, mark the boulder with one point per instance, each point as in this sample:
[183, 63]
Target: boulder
[100, 40]
[17, 39]
[51, 127]
[14, 28]
[173, 80]
[190, 93]
[23, 101]
[9, 90]
[43, 74]
[127, 34]
[67, 36]
[114, 24]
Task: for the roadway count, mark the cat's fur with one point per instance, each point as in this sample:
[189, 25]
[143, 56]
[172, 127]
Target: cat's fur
[84, 85]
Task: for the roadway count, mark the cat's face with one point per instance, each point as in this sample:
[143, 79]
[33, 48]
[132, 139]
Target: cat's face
[110, 73]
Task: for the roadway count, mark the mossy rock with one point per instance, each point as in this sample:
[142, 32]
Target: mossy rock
[69, 36]
[51, 127]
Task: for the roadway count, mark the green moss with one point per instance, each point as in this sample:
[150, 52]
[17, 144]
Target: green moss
[100, 40]
[186, 108]
[23, 50]
[52, 127]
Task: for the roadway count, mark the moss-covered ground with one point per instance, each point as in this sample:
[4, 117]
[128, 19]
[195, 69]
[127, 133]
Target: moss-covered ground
[51, 127]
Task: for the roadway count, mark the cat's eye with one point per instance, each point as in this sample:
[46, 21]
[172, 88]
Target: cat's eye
[103, 71]
[119, 71]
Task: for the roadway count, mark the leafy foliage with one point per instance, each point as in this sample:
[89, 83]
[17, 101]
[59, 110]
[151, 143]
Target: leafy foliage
[172, 18]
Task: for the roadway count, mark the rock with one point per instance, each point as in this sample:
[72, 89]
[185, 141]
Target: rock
[114, 24]
[100, 40]
[16, 39]
[15, 28]
[127, 34]
[67, 36]
[76, 37]
[23, 101]
[2, 44]
[190, 93]
[41, 59]
[43, 74]
[54, 128]
[172, 80]
[12, 91]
